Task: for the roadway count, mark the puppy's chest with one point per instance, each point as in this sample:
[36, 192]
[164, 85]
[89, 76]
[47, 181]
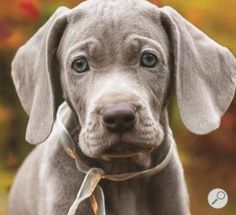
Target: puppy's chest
[128, 198]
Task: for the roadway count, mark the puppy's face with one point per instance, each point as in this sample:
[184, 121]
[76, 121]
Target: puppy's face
[114, 70]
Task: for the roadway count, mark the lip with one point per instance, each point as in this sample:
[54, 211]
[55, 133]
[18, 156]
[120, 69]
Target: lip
[130, 151]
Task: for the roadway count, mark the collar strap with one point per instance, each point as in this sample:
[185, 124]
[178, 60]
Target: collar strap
[90, 188]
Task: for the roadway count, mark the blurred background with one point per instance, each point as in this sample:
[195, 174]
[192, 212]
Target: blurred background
[209, 161]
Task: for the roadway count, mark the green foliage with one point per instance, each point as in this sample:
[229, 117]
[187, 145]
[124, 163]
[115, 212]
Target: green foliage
[6, 176]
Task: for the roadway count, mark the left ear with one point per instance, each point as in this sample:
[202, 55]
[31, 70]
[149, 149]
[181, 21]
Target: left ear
[205, 73]
[33, 69]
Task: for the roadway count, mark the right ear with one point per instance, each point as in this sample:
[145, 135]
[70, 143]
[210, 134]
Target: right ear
[204, 73]
[32, 70]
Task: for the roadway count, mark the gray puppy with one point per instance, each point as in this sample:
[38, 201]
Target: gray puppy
[118, 61]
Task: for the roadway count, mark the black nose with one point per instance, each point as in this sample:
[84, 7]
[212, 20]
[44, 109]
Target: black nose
[119, 118]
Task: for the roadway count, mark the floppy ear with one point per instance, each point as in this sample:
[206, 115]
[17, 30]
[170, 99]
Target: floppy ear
[205, 73]
[32, 70]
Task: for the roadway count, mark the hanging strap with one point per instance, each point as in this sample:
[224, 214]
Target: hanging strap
[90, 189]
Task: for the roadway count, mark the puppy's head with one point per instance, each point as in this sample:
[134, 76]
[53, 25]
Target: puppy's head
[118, 61]
[115, 74]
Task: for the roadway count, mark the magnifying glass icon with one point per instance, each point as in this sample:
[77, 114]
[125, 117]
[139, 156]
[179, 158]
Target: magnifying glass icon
[219, 196]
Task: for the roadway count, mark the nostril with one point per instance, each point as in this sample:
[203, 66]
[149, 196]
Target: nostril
[108, 120]
[129, 118]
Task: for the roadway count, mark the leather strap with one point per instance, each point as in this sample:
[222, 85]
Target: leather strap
[90, 188]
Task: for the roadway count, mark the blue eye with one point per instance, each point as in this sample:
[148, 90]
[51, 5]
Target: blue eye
[80, 65]
[148, 60]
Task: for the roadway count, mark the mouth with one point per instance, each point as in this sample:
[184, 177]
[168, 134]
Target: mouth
[124, 151]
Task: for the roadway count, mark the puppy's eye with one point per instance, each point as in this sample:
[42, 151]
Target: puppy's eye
[148, 60]
[80, 65]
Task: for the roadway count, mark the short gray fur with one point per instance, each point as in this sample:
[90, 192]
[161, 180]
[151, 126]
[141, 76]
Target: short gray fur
[112, 34]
